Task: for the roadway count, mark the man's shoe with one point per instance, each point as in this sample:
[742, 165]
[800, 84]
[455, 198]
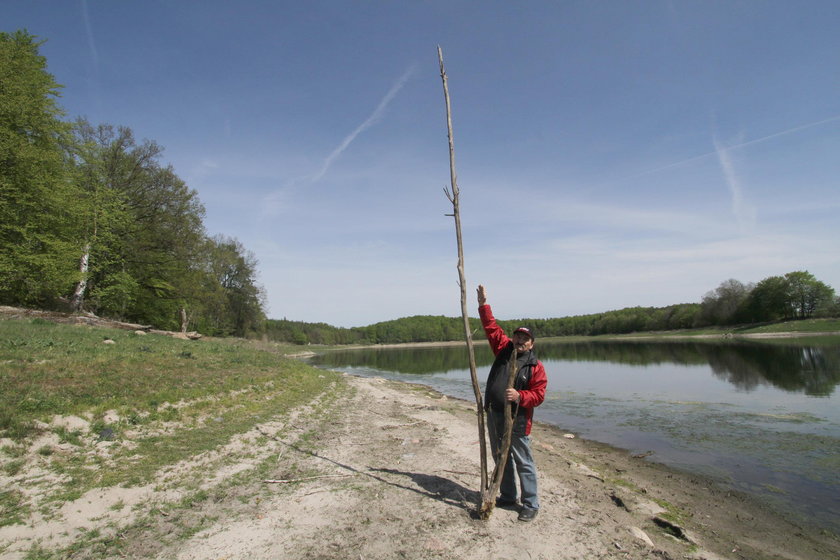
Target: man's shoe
[503, 502]
[527, 514]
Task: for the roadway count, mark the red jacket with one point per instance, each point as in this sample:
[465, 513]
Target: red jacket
[534, 395]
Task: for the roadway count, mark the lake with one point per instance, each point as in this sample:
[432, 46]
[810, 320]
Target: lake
[757, 416]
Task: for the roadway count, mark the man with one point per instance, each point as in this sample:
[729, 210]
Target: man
[528, 392]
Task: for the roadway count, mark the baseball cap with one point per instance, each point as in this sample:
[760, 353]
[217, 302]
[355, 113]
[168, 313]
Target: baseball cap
[524, 330]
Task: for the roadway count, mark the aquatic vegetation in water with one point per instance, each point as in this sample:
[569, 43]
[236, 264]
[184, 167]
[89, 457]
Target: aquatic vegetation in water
[794, 417]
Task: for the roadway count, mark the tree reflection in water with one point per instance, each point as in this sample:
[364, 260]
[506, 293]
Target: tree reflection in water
[790, 366]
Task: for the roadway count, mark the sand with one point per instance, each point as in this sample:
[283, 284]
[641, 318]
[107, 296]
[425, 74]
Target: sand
[390, 470]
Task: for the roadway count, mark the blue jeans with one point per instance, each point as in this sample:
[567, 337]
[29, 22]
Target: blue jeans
[520, 462]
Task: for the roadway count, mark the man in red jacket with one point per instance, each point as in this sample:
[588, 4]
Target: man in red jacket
[527, 393]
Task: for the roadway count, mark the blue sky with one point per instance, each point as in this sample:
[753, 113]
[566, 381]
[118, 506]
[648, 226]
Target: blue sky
[609, 154]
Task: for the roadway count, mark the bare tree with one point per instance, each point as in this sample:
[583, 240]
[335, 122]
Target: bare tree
[488, 492]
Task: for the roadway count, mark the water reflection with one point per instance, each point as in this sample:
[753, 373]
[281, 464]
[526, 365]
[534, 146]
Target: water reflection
[747, 365]
[815, 371]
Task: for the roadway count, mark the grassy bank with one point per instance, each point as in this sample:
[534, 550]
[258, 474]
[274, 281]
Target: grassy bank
[803, 326]
[91, 407]
[800, 328]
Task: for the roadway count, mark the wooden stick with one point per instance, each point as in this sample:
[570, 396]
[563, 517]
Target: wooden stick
[455, 472]
[504, 451]
[291, 480]
[453, 197]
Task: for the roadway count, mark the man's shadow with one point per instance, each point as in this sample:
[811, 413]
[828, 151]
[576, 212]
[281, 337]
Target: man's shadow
[432, 486]
[437, 487]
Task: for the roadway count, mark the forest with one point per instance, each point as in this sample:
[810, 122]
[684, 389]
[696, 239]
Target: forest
[795, 295]
[93, 220]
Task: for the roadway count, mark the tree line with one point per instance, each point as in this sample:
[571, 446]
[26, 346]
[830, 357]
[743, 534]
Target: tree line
[92, 219]
[795, 295]
[419, 328]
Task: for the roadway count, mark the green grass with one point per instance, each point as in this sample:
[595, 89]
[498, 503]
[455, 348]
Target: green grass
[13, 467]
[13, 508]
[67, 370]
[151, 402]
[162, 524]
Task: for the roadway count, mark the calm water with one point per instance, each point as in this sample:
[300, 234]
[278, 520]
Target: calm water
[759, 417]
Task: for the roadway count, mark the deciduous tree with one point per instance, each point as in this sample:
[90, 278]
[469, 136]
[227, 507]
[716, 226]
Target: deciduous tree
[806, 294]
[38, 205]
[722, 305]
[236, 301]
[769, 300]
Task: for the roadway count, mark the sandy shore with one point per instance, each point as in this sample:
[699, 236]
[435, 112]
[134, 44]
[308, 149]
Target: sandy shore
[392, 471]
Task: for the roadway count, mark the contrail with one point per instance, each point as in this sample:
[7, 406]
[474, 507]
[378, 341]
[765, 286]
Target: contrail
[89, 32]
[370, 121]
[93, 72]
[741, 145]
[788, 131]
[277, 198]
[744, 214]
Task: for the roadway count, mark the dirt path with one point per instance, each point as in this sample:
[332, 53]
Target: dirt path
[387, 470]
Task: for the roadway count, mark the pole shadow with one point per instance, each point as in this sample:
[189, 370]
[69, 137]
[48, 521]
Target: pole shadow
[429, 485]
[438, 488]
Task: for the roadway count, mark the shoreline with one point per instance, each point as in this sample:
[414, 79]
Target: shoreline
[628, 337]
[627, 459]
[379, 469]
[797, 507]
[694, 510]
[598, 501]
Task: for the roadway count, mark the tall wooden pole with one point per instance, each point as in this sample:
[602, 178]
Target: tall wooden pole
[453, 196]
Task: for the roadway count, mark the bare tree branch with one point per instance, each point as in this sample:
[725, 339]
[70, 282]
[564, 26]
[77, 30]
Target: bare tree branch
[453, 196]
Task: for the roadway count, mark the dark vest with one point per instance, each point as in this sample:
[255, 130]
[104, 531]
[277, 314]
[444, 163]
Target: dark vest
[494, 392]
